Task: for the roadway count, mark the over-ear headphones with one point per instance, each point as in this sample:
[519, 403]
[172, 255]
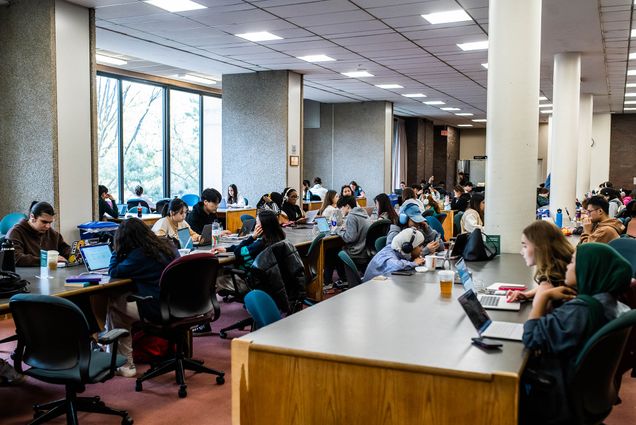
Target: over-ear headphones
[285, 192]
[403, 218]
[407, 247]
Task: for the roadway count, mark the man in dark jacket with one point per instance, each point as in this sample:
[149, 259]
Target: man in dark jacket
[204, 212]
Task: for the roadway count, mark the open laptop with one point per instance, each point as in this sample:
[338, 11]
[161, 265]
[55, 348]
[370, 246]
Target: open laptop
[322, 224]
[123, 209]
[484, 325]
[185, 240]
[96, 258]
[311, 216]
[456, 248]
[206, 236]
[493, 302]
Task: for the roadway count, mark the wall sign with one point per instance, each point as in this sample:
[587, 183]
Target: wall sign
[294, 160]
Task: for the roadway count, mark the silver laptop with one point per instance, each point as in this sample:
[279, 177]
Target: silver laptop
[492, 302]
[311, 216]
[484, 325]
[96, 258]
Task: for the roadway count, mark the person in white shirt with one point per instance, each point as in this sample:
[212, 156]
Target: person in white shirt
[473, 217]
[139, 193]
[330, 206]
[318, 189]
[233, 199]
[170, 224]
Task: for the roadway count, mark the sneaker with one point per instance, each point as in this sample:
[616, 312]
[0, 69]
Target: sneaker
[8, 375]
[129, 370]
[201, 330]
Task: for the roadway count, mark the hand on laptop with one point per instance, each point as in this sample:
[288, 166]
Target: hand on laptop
[516, 296]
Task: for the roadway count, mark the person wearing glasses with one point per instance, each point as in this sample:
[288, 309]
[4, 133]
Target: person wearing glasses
[290, 206]
[598, 226]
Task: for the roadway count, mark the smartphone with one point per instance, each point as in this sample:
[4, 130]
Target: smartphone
[404, 272]
[489, 344]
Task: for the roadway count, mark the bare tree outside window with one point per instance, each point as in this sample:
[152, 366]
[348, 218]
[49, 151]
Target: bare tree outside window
[184, 142]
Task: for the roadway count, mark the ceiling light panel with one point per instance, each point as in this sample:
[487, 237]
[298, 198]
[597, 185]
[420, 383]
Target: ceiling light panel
[447, 17]
[414, 95]
[259, 36]
[475, 45]
[316, 58]
[357, 74]
[109, 60]
[176, 5]
[389, 86]
[434, 102]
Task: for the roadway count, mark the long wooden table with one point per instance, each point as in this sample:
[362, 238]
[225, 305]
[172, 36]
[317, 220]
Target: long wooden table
[385, 352]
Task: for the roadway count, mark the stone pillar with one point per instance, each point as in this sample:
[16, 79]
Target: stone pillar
[419, 134]
[600, 152]
[262, 128]
[585, 145]
[565, 124]
[452, 156]
[512, 134]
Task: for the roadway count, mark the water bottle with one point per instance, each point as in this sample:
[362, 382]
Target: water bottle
[8, 256]
[334, 223]
[447, 204]
[139, 210]
[558, 219]
[216, 231]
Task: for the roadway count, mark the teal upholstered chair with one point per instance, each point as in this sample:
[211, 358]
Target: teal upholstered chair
[262, 308]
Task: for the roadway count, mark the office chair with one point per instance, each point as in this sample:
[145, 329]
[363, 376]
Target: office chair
[160, 204]
[380, 243]
[187, 300]
[457, 223]
[376, 229]
[10, 220]
[133, 203]
[351, 270]
[55, 341]
[190, 199]
[310, 263]
[245, 217]
[435, 225]
[627, 248]
[262, 308]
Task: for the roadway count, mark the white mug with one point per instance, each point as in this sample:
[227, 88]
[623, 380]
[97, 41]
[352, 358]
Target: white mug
[429, 262]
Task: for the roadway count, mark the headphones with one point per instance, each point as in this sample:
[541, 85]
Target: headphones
[407, 247]
[403, 218]
[285, 192]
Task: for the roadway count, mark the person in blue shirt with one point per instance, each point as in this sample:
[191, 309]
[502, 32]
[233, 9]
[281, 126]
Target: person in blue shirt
[357, 190]
[403, 253]
[141, 256]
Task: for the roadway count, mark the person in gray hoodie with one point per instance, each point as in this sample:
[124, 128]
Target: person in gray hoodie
[354, 231]
[410, 215]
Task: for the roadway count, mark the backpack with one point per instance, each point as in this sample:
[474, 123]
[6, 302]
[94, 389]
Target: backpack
[479, 247]
[11, 284]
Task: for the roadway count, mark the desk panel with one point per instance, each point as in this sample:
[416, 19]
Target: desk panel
[232, 217]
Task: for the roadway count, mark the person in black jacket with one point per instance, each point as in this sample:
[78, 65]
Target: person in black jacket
[290, 206]
[460, 201]
[107, 207]
[204, 212]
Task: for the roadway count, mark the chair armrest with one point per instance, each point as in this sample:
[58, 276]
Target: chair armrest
[138, 298]
[112, 335]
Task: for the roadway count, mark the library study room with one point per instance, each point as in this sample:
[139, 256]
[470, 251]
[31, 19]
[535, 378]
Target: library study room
[318, 212]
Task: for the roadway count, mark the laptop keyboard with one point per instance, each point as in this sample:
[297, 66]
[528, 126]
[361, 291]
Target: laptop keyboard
[489, 300]
[504, 329]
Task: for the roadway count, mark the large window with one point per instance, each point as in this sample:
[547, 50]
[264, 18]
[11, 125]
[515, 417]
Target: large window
[155, 135]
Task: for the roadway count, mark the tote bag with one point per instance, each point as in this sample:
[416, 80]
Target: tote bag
[479, 247]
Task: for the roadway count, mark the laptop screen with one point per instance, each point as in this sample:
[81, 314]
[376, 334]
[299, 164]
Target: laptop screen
[464, 274]
[311, 215]
[323, 225]
[185, 240]
[474, 310]
[96, 257]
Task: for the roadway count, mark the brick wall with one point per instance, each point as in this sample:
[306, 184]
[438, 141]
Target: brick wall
[622, 168]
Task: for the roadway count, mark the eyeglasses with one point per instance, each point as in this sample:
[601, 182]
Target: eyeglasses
[592, 210]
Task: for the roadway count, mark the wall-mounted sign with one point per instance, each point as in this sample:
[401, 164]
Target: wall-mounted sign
[480, 157]
[444, 132]
[294, 160]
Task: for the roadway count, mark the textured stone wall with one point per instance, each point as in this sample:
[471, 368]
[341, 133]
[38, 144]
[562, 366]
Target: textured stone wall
[28, 114]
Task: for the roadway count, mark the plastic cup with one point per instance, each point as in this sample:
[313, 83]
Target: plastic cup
[446, 278]
[429, 262]
[51, 258]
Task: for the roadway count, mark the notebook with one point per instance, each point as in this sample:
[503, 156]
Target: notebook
[96, 257]
[484, 325]
[493, 302]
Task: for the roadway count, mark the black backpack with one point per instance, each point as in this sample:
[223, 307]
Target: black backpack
[11, 284]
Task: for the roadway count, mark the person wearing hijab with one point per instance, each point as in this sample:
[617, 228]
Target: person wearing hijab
[403, 253]
[594, 278]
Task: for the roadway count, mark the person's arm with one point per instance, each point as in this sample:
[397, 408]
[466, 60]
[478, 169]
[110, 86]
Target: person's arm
[349, 233]
[160, 227]
[395, 263]
[63, 248]
[194, 235]
[105, 208]
[122, 267]
[23, 259]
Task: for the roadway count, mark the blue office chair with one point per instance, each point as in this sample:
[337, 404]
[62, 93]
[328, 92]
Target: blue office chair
[54, 339]
[627, 248]
[351, 270]
[380, 243]
[436, 225]
[190, 199]
[246, 217]
[133, 203]
[10, 220]
[262, 308]
[246, 201]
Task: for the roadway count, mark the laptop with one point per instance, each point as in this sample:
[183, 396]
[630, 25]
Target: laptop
[484, 325]
[456, 248]
[206, 236]
[123, 209]
[311, 216]
[492, 302]
[96, 258]
[322, 224]
[185, 240]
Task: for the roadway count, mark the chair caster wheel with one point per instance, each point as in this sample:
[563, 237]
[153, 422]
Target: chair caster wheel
[138, 386]
[182, 391]
[220, 380]
[223, 335]
[127, 421]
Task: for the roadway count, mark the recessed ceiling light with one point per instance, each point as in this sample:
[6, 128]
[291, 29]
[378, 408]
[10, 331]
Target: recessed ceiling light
[542, 98]
[434, 102]
[632, 56]
[464, 114]
[176, 5]
[259, 36]
[480, 120]
[629, 109]
[464, 125]
[450, 109]
[475, 45]
[485, 65]
[447, 17]
[631, 72]
[197, 79]
[109, 60]
[547, 111]
[546, 105]
[316, 58]
[630, 85]
[389, 86]
[357, 74]
[414, 95]
[630, 94]
[634, 33]
[630, 102]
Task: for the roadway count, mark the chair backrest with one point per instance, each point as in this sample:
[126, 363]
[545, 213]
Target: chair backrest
[246, 201]
[52, 333]
[594, 391]
[627, 248]
[160, 204]
[262, 308]
[190, 199]
[10, 220]
[351, 271]
[310, 259]
[376, 229]
[247, 227]
[457, 223]
[187, 286]
[441, 217]
[134, 203]
[436, 225]
[245, 217]
[380, 243]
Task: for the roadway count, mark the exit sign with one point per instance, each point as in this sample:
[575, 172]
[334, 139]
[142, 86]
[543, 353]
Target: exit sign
[444, 132]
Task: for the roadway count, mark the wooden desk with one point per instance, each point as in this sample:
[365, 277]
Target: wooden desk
[448, 224]
[232, 217]
[55, 286]
[311, 205]
[149, 219]
[385, 352]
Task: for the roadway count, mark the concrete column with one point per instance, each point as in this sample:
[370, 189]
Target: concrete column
[565, 123]
[600, 156]
[585, 145]
[512, 134]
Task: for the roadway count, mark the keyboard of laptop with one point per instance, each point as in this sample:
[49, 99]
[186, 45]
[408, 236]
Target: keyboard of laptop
[504, 329]
[489, 300]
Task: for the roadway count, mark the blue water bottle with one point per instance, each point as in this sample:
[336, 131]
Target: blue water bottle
[558, 220]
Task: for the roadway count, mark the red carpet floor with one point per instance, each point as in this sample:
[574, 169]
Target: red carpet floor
[206, 404]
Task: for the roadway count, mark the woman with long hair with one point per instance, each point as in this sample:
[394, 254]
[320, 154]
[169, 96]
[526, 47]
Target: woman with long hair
[233, 196]
[385, 209]
[141, 256]
[473, 217]
[544, 247]
[431, 204]
[330, 206]
[174, 219]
